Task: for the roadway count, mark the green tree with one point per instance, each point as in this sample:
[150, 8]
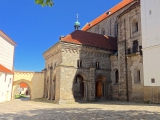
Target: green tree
[45, 2]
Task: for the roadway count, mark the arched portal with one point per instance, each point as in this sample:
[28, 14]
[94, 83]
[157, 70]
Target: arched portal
[78, 87]
[22, 89]
[100, 86]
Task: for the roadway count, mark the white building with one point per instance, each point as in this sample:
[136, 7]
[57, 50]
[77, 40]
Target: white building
[7, 46]
[6, 79]
[150, 17]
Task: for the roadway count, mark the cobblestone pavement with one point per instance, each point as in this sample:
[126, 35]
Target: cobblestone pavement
[110, 110]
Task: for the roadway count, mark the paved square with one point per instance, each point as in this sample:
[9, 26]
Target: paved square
[33, 110]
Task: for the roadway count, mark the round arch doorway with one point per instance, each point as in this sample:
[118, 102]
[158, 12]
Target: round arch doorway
[22, 91]
[100, 86]
[78, 87]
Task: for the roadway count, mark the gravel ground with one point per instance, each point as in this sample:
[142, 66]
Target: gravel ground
[111, 110]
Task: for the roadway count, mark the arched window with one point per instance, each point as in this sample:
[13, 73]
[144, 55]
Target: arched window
[137, 76]
[116, 76]
[78, 87]
[135, 46]
[97, 65]
[79, 63]
[103, 31]
[134, 26]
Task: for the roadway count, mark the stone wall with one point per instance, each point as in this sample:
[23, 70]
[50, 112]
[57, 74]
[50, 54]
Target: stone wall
[66, 70]
[114, 67]
[71, 53]
[52, 72]
[109, 24]
[130, 61]
[35, 81]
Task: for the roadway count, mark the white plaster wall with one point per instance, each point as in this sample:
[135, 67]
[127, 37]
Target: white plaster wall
[5, 87]
[150, 17]
[6, 53]
[151, 66]
[150, 22]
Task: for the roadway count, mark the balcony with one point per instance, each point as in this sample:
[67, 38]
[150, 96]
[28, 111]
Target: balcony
[134, 51]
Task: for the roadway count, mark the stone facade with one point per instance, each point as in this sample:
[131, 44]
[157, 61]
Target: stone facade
[90, 73]
[128, 60]
[129, 55]
[109, 25]
[65, 71]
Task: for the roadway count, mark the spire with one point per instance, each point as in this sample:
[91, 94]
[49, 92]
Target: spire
[77, 16]
[77, 24]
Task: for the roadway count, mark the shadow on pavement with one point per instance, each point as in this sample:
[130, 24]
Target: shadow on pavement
[108, 102]
[80, 114]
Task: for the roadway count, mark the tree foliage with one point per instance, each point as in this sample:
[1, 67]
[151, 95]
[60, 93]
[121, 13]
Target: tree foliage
[44, 2]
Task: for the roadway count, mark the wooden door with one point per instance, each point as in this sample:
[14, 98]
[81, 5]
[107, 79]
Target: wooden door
[99, 89]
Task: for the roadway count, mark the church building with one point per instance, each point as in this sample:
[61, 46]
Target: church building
[101, 61]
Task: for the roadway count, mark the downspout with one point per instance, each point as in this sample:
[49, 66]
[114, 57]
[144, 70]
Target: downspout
[126, 61]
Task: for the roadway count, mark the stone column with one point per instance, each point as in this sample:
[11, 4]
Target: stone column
[53, 90]
[51, 81]
[44, 90]
[104, 89]
[48, 97]
[85, 90]
[91, 84]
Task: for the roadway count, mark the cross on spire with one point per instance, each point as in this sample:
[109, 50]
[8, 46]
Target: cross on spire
[77, 24]
[77, 16]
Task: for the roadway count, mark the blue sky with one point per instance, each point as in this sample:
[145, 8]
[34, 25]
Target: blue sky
[35, 29]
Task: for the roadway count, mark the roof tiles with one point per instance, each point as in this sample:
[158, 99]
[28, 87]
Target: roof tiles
[5, 70]
[23, 85]
[91, 39]
[114, 9]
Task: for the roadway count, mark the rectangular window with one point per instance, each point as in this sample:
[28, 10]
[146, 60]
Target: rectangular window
[135, 46]
[136, 27]
[129, 50]
[152, 80]
[138, 76]
[80, 64]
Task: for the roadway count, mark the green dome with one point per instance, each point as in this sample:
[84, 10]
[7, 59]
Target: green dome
[77, 23]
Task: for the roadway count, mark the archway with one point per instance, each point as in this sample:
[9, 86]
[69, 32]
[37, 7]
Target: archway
[22, 91]
[78, 87]
[100, 86]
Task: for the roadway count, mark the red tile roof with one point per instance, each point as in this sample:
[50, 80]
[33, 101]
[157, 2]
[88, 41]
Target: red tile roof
[2, 34]
[5, 70]
[23, 85]
[91, 39]
[114, 9]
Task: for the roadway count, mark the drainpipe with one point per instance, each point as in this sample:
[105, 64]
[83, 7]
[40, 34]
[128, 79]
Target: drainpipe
[127, 94]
